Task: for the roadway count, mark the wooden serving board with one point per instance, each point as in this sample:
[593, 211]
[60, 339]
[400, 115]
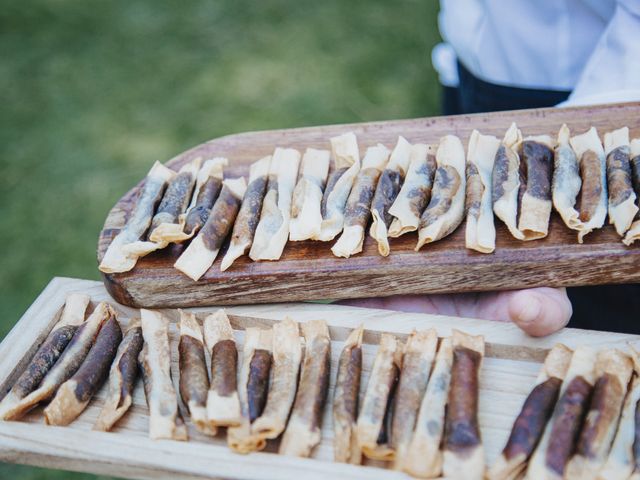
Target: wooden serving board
[308, 270]
[507, 375]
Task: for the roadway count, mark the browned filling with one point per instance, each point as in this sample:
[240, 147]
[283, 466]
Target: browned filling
[386, 192]
[529, 426]
[314, 382]
[636, 438]
[128, 365]
[419, 196]
[408, 397]
[175, 199]
[619, 175]
[249, 214]
[591, 190]
[43, 360]
[349, 371]
[571, 410]
[461, 428]
[357, 210]
[500, 172]
[224, 364]
[258, 382]
[331, 183]
[95, 368]
[385, 430]
[447, 182]
[194, 382]
[603, 412]
[199, 214]
[221, 219]
[475, 189]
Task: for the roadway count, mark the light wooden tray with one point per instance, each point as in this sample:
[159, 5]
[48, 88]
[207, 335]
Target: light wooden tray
[512, 363]
[308, 270]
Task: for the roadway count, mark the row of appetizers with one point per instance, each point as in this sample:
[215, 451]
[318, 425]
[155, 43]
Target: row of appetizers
[428, 188]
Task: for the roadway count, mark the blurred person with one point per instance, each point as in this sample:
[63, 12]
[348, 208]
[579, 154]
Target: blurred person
[508, 55]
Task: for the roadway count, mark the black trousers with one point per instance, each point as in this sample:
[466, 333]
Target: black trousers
[607, 307]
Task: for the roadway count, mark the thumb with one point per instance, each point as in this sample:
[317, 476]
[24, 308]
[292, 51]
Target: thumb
[538, 311]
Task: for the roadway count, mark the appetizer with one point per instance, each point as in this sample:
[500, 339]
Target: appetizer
[634, 231]
[622, 198]
[566, 180]
[205, 193]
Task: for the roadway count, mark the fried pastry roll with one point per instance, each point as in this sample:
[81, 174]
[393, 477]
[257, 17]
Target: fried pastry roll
[480, 233]
[203, 250]
[67, 364]
[424, 458]
[622, 198]
[415, 192]
[287, 354]
[303, 432]
[357, 211]
[117, 258]
[246, 222]
[534, 198]
[167, 223]
[446, 207]
[272, 231]
[387, 191]
[45, 358]
[463, 455]
[592, 201]
[346, 164]
[205, 193]
[122, 378]
[253, 388]
[417, 361]
[306, 215]
[566, 180]
[533, 417]
[558, 441]
[165, 421]
[634, 231]
[613, 371]
[194, 380]
[506, 181]
[346, 400]
[375, 415]
[223, 403]
[74, 395]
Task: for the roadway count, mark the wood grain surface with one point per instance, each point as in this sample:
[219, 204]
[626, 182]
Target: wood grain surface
[308, 270]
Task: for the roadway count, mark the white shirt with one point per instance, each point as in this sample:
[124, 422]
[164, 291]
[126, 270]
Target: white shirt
[591, 47]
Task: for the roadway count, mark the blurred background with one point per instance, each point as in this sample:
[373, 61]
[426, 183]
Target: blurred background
[93, 92]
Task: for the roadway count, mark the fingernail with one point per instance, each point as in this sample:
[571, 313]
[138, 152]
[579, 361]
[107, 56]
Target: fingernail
[530, 310]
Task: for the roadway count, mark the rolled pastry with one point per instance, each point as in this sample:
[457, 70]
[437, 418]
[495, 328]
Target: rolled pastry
[345, 400]
[558, 441]
[244, 228]
[375, 414]
[592, 200]
[223, 403]
[203, 250]
[419, 353]
[622, 198]
[480, 234]
[304, 432]
[117, 258]
[613, 373]
[165, 225]
[506, 181]
[424, 458]
[415, 193]
[74, 395]
[566, 180]
[67, 364]
[165, 421]
[205, 193]
[463, 455]
[534, 200]
[387, 191]
[634, 231]
[253, 388]
[346, 164]
[272, 231]
[47, 355]
[446, 207]
[306, 214]
[533, 417]
[287, 354]
[194, 380]
[122, 379]
[357, 211]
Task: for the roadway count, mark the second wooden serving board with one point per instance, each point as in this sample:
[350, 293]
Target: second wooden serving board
[308, 270]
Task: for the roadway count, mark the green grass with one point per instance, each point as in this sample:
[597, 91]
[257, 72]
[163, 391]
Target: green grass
[93, 92]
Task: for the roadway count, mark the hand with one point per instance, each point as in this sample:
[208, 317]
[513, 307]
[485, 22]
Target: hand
[537, 311]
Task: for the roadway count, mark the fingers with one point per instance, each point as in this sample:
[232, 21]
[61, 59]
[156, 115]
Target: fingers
[540, 311]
